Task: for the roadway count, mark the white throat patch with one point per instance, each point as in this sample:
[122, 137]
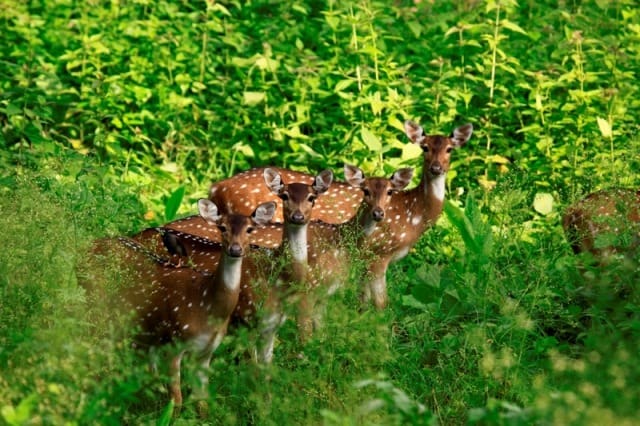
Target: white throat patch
[437, 187]
[231, 272]
[298, 242]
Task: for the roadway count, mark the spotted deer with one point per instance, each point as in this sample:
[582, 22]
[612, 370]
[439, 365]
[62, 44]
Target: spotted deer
[409, 216]
[314, 248]
[246, 189]
[604, 223]
[412, 212]
[298, 200]
[184, 305]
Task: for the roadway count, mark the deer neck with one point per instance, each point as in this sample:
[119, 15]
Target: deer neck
[362, 223]
[296, 237]
[431, 193]
[229, 272]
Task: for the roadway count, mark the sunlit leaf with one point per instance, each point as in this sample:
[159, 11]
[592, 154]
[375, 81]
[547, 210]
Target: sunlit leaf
[605, 127]
[370, 140]
[254, 98]
[543, 203]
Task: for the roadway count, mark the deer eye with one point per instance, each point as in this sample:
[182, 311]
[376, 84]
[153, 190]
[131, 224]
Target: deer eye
[250, 229]
[366, 192]
[222, 228]
[449, 149]
[425, 148]
[312, 198]
[284, 196]
[389, 192]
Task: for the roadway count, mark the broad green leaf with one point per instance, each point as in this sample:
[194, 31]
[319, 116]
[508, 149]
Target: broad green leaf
[512, 26]
[605, 127]
[411, 151]
[173, 203]
[543, 203]
[178, 101]
[254, 98]
[342, 85]
[22, 413]
[499, 159]
[245, 149]
[370, 140]
[376, 103]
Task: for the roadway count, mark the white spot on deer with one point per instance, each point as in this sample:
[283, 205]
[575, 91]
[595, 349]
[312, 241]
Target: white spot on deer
[186, 326]
[176, 309]
[415, 221]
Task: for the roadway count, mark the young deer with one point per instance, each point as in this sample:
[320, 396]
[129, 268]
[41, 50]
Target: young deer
[330, 246]
[189, 306]
[240, 192]
[604, 223]
[298, 202]
[314, 247]
[412, 212]
[409, 216]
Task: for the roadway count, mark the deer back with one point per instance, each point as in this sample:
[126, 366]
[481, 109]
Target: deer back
[242, 192]
[604, 222]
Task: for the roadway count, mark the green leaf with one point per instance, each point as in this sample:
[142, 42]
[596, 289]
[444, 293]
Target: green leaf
[411, 151]
[605, 127]
[173, 203]
[342, 85]
[543, 203]
[370, 140]
[513, 26]
[20, 414]
[167, 414]
[254, 98]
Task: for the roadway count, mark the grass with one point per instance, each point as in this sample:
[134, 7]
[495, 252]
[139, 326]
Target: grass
[498, 328]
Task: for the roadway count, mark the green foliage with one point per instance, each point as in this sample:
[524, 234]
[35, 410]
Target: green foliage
[117, 115]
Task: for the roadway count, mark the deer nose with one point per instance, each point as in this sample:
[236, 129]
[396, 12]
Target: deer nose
[378, 214]
[297, 217]
[235, 250]
[436, 169]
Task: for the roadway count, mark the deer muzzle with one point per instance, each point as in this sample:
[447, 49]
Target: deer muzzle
[297, 218]
[377, 214]
[235, 250]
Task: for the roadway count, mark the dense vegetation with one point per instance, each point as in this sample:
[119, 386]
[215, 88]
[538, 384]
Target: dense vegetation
[118, 115]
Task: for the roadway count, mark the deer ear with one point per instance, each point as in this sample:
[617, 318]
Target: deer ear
[323, 181]
[461, 134]
[353, 175]
[264, 213]
[401, 178]
[414, 131]
[273, 180]
[208, 210]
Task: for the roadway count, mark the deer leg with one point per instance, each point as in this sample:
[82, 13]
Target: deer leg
[174, 371]
[377, 287]
[305, 323]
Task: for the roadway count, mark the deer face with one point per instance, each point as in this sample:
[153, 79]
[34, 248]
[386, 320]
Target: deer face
[437, 149]
[377, 191]
[235, 229]
[298, 199]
